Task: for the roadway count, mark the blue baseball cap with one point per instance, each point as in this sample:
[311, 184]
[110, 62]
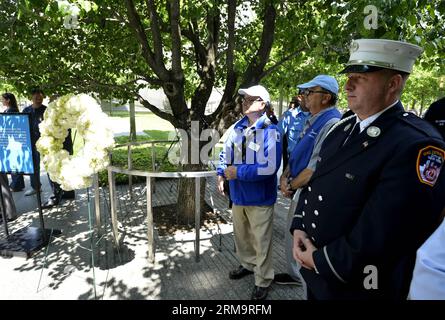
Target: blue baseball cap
[326, 82]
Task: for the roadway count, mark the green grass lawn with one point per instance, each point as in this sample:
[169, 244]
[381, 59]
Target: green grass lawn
[154, 127]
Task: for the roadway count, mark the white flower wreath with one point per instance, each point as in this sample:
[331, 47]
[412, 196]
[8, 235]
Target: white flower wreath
[83, 113]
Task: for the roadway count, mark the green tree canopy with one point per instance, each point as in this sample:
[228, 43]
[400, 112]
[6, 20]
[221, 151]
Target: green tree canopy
[189, 47]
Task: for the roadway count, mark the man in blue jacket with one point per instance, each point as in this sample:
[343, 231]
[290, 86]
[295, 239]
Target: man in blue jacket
[250, 160]
[320, 97]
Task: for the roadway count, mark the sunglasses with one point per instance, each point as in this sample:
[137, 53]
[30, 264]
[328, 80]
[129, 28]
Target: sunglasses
[308, 92]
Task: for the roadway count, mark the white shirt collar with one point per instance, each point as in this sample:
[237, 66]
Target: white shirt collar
[365, 123]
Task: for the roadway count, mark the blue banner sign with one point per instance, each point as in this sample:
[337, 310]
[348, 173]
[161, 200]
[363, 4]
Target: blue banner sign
[15, 144]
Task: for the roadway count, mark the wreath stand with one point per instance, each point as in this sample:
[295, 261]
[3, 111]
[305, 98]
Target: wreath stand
[28, 240]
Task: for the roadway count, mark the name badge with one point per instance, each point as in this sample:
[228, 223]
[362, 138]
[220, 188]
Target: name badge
[254, 146]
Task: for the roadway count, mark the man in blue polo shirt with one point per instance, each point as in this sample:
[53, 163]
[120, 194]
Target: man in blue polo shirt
[320, 97]
[250, 161]
[292, 123]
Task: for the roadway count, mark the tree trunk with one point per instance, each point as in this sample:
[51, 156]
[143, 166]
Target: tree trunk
[132, 121]
[186, 196]
[191, 161]
[280, 104]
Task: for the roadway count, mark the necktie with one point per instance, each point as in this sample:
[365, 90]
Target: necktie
[355, 131]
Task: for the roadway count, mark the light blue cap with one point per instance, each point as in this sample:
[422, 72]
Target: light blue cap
[326, 82]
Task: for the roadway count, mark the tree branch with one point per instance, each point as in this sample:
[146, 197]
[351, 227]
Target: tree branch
[156, 33]
[258, 62]
[136, 25]
[153, 81]
[176, 39]
[164, 115]
[207, 72]
[230, 75]
[231, 13]
[200, 50]
[280, 63]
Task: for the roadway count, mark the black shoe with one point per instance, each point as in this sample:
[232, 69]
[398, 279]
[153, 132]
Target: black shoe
[259, 293]
[51, 202]
[284, 278]
[239, 273]
[68, 195]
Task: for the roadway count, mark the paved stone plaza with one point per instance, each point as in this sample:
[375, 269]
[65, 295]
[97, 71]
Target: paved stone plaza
[65, 270]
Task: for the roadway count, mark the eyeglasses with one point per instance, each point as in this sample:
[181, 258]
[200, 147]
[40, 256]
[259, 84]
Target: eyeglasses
[308, 92]
[250, 100]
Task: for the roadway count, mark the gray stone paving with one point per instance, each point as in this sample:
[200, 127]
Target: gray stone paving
[65, 270]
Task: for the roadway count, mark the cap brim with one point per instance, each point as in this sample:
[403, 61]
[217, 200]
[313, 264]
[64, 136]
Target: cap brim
[357, 68]
[307, 85]
[243, 92]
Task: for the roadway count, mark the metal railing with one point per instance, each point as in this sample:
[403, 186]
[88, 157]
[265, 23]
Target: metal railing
[112, 170]
[130, 159]
[197, 175]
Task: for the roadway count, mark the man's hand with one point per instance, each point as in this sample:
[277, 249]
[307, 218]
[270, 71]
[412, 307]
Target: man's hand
[302, 179]
[230, 173]
[220, 184]
[303, 249]
[284, 187]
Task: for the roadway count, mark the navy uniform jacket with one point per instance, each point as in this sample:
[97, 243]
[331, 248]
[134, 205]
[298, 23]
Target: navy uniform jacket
[372, 202]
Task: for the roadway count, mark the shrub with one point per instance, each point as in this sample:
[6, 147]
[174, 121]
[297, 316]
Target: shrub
[142, 160]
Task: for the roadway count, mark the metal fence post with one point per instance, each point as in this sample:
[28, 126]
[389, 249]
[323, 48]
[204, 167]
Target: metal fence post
[113, 201]
[153, 164]
[150, 227]
[130, 167]
[97, 203]
[197, 215]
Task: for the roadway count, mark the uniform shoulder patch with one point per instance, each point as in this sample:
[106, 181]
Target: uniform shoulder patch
[429, 163]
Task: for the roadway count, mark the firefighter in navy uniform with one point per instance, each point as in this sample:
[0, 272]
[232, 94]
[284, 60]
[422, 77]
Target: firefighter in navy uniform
[377, 192]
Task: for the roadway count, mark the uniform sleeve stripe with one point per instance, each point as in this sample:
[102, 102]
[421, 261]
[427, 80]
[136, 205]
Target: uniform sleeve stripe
[330, 265]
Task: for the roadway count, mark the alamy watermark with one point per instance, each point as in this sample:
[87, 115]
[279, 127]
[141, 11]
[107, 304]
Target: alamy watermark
[370, 21]
[371, 279]
[249, 146]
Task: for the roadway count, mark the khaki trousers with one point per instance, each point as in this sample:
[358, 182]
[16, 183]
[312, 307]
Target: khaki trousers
[252, 227]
